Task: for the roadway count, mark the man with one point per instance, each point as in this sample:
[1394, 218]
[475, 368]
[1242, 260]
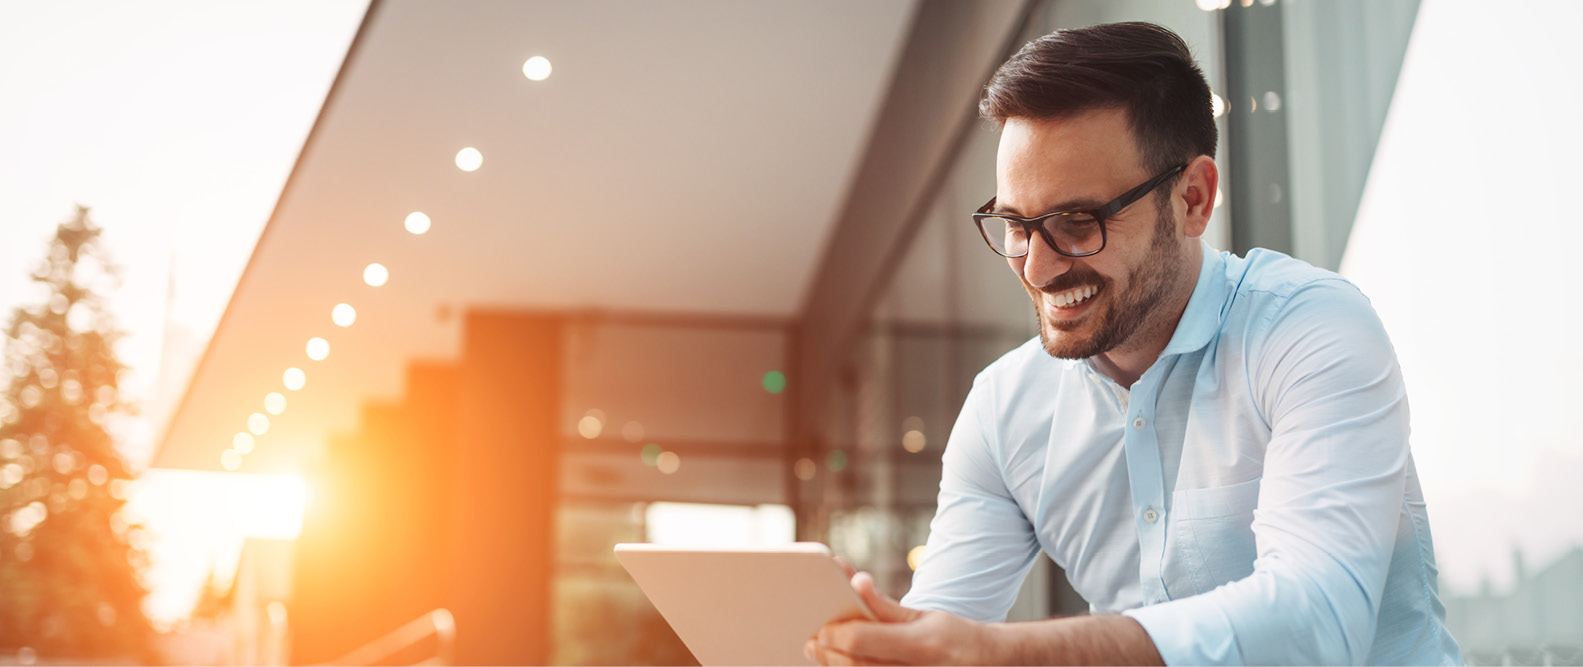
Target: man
[1214, 448]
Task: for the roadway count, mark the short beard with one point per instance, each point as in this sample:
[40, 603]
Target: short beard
[1148, 284]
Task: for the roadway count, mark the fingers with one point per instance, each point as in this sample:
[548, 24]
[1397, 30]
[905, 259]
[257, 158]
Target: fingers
[884, 607]
[827, 655]
[847, 567]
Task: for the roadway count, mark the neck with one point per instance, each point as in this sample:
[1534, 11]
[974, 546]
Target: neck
[1127, 362]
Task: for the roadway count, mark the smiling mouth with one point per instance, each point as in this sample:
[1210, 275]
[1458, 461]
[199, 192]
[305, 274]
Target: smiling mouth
[1072, 298]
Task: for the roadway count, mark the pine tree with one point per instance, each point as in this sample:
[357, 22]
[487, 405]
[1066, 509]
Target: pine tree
[69, 559]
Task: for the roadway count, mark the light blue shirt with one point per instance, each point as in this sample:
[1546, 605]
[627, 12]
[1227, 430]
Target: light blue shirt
[1250, 500]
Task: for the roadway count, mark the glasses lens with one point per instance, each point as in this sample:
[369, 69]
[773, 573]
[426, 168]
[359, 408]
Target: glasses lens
[1006, 237]
[1075, 233]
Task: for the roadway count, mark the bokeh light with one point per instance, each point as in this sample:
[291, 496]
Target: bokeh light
[651, 453]
[375, 275]
[836, 461]
[913, 441]
[257, 423]
[668, 462]
[318, 348]
[469, 159]
[243, 442]
[537, 68]
[417, 222]
[590, 427]
[294, 378]
[914, 557]
[274, 403]
[230, 459]
[805, 469]
[343, 315]
[774, 382]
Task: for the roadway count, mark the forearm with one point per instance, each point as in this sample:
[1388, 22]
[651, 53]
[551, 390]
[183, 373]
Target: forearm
[1077, 640]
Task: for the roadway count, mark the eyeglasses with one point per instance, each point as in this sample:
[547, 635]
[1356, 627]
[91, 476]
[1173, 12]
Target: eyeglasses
[1072, 233]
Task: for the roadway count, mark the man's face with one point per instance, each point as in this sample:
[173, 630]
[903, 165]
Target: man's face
[1083, 162]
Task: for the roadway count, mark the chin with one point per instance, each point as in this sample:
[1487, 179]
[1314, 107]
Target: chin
[1067, 344]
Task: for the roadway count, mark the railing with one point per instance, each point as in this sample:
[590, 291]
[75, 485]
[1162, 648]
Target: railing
[438, 624]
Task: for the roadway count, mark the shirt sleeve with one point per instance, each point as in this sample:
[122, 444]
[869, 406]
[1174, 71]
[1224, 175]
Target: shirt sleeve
[1326, 380]
[980, 545]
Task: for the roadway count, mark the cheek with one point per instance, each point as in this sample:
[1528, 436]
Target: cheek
[1016, 264]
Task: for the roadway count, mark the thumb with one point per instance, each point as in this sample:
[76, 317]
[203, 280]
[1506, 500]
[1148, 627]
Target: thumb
[884, 608]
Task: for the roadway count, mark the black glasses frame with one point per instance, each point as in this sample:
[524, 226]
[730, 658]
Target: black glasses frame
[1099, 215]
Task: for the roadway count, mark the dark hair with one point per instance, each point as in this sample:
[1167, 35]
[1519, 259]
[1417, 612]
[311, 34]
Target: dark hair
[1141, 68]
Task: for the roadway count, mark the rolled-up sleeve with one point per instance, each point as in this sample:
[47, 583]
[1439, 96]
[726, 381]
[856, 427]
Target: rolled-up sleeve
[1326, 380]
[980, 545]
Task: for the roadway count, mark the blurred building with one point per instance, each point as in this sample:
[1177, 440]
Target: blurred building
[720, 256]
[1538, 622]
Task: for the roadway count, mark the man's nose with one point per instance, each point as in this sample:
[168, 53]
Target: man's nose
[1042, 263]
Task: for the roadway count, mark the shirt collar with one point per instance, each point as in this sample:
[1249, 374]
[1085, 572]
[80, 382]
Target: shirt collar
[1205, 312]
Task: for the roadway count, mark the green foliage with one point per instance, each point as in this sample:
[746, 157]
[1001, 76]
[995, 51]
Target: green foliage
[70, 562]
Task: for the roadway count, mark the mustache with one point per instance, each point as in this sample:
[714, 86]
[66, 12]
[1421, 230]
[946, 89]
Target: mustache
[1077, 277]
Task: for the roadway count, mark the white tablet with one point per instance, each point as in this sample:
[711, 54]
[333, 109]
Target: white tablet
[744, 606]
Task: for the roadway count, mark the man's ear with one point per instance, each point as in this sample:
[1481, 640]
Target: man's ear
[1196, 191]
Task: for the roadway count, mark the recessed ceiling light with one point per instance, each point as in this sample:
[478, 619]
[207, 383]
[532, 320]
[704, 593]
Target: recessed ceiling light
[274, 403]
[537, 68]
[343, 315]
[469, 159]
[375, 274]
[417, 222]
[257, 423]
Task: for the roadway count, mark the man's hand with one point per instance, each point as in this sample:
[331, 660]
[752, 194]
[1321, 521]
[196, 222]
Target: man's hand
[900, 636]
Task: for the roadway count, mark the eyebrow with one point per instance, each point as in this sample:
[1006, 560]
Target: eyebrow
[1063, 207]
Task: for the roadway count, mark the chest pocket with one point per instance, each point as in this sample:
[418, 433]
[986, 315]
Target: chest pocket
[1213, 534]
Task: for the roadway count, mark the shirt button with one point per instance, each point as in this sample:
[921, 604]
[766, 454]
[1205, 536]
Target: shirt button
[1150, 515]
[1138, 423]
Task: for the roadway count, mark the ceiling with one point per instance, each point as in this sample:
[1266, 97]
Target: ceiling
[689, 156]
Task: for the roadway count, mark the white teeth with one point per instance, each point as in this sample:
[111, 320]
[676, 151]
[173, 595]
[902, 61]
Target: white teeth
[1072, 297]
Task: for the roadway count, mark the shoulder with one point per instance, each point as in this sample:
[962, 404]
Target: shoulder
[1027, 364]
[1274, 293]
[1281, 276]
